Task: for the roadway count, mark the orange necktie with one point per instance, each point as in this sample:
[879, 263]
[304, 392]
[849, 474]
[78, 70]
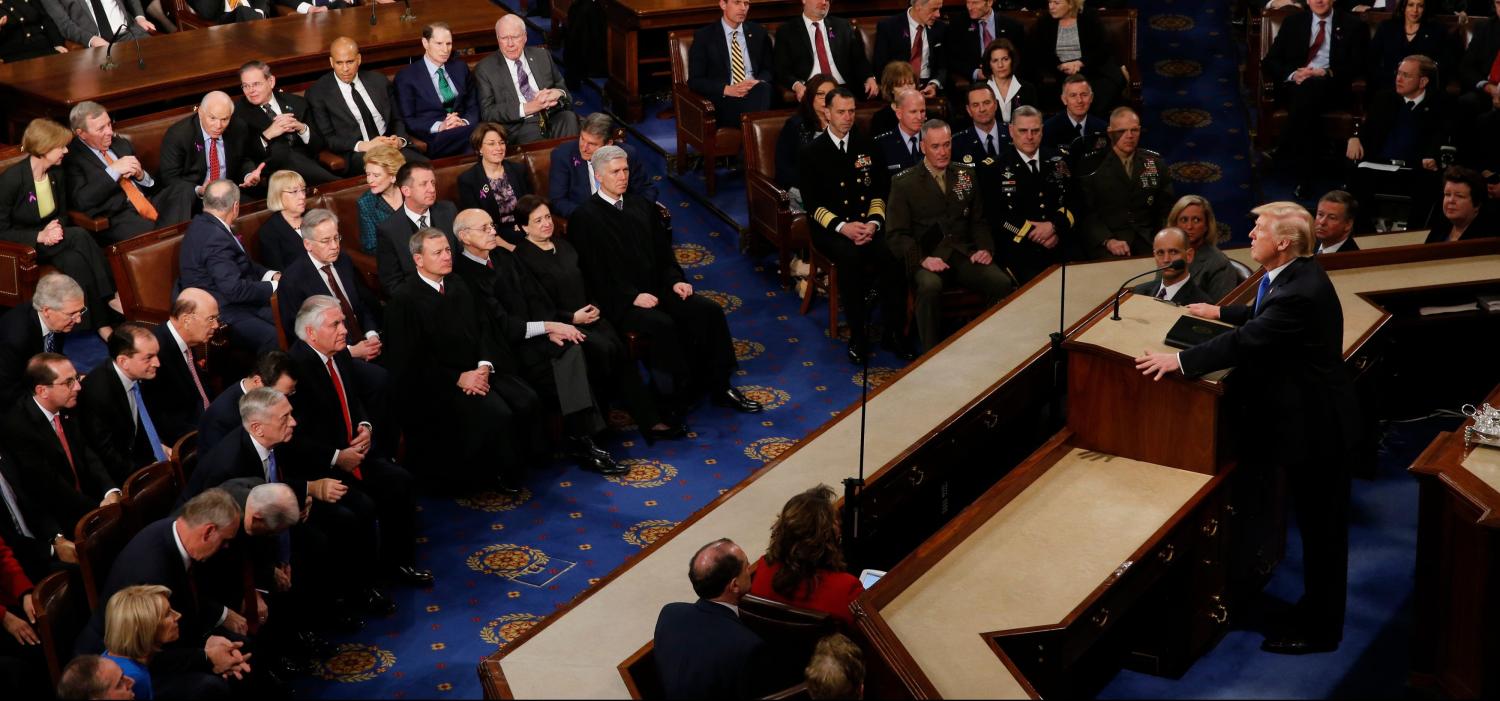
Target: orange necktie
[133, 193]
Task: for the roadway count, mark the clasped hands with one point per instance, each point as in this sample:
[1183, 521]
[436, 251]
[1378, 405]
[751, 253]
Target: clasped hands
[860, 232]
[225, 655]
[284, 123]
[350, 458]
[452, 121]
[741, 88]
[935, 264]
[1155, 365]
[544, 100]
[646, 300]
[1306, 72]
[1043, 234]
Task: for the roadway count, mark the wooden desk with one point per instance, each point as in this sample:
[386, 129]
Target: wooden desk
[1457, 634]
[182, 66]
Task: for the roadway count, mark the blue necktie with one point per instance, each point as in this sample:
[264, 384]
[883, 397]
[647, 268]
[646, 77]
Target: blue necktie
[49, 343]
[146, 423]
[271, 474]
[1260, 293]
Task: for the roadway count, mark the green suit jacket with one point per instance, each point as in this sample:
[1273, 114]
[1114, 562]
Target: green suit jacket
[1131, 208]
[924, 221]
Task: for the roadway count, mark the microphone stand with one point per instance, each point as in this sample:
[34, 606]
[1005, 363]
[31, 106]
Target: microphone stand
[854, 486]
[408, 15]
[372, 4]
[109, 63]
[1059, 385]
[140, 61]
[1176, 265]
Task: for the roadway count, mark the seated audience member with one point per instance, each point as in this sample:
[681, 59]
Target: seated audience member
[198, 663]
[352, 109]
[1031, 215]
[1334, 222]
[57, 307]
[420, 210]
[804, 563]
[115, 416]
[281, 234]
[702, 649]
[494, 184]
[916, 38]
[1064, 129]
[34, 212]
[1173, 285]
[94, 677]
[1464, 214]
[817, 43]
[554, 264]
[230, 11]
[322, 269]
[28, 527]
[138, 621]
[178, 396]
[282, 122]
[312, 7]
[571, 179]
[626, 255]
[896, 78]
[968, 40]
[23, 666]
[115, 20]
[901, 148]
[730, 64]
[28, 32]
[1479, 80]
[1312, 76]
[105, 179]
[209, 145]
[214, 259]
[938, 229]
[1000, 73]
[449, 372]
[272, 369]
[804, 125]
[383, 199]
[435, 97]
[1210, 268]
[837, 669]
[58, 465]
[1410, 30]
[336, 428]
[1405, 128]
[1068, 40]
[522, 89]
[1126, 193]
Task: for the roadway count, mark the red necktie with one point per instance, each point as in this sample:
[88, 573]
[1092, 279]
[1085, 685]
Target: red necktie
[338, 388]
[1495, 70]
[1312, 51]
[193, 370]
[213, 160]
[824, 66]
[441, 291]
[350, 322]
[984, 28]
[62, 437]
[916, 52]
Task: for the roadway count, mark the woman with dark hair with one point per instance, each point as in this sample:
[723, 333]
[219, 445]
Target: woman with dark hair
[1068, 39]
[810, 120]
[34, 212]
[554, 264]
[1000, 61]
[1410, 31]
[494, 184]
[1464, 215]
[804, 564]
[896, 76]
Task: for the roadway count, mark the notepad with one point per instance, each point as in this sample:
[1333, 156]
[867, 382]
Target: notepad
[1189, 331]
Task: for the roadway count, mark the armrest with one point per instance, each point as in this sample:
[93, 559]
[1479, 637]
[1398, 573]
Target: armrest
[418, 144]
[92, 224]
[332, 161]
[24, 254]
[695, 114]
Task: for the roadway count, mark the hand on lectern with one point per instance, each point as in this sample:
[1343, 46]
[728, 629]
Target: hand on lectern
[1157, 364]
[1203, 311]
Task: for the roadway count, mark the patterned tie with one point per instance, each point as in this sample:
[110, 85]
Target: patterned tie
[523, 82]
[984, 33]
[442, 290]
[445, 89]
[193, 370]
[1161, 292]
[350, 322]
[736, 61]
[1260, 293]
[49, 343]
[213, 159]
[269, 110]
[133, 193]
[916, 52]
[147, 423]
[62, 437]
[824, 66]
[422, 221]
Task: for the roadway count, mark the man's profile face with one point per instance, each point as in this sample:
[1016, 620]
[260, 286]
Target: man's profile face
[1409, 80]
[1332, 223]
[421, 187]
[143, 364]
[1264, 247]
[116, 684]
[978, 9]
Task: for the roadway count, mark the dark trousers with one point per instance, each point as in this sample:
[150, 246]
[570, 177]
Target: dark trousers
[251, 328]
[173, 201]
[691, 349]
[1422, 186]
[23, 668]
[389, 489]
[730, 108]
[861, 269]
[927, 286]
[1303, 141]
[373, 382]
[1319, 491]
[559, 374]
[612, 370]
[449, 142]
[463, 440]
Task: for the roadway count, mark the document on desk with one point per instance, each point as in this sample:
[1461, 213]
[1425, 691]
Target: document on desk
[1386, 167]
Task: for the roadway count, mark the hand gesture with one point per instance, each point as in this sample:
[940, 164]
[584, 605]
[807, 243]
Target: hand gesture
[683, 290]
[50, 234]
[327, 489]
[1203, 311]
[1117, 247]
[282, 573]
[349, 459]
[981, 257]
[20, 629]
[1355, 151]
[798, 90]
[145, 24]
[475, 382]
[1154, 365]
[560, 333]
[871, 88]
[645, 300]
[362, 438]
[934, 264]
[235, 623]
[929, 90]
[129, 167]
[586, 315]
[368, 349]
[253, 177]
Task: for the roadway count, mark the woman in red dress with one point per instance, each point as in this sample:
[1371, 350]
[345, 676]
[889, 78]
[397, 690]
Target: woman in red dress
[804, 565]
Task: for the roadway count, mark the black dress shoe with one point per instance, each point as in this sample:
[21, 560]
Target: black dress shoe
[672, 432]
[1297, 644]
[900, 346]
[412, 576]
[309, 644]
[736, 400]
[377, 603]
[585, 447]
[604, 466]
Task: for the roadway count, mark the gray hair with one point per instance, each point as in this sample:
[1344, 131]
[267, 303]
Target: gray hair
[415, 243]
[934, 124]
[904, 93]
[79, 116]
[598, 124]
[605, 154]
[276, 504]
[313, 217]
[211, 506]
[1025, 111]
[215, 96]
[312, 311]
[53, 290]
[221, 195]
[258, 402]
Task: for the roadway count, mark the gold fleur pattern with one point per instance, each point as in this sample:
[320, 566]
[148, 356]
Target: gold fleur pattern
[878, 376]
[501, 631]
[747, 350]
[1178, 68]
[1186, 118]
[693, 255]
[1195, 172]
[508, 560]
[769, 397]
[495, 502]
[768, 449]
[730, 303]
[647, 532]
[644, 473]
[1172, 23]
[354, 662]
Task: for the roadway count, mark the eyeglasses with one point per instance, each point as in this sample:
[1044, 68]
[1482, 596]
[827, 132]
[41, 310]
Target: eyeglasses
[488, 228]
[70, 382]
[294, 191]
[325, 242]
[75, 316]
[212, 320]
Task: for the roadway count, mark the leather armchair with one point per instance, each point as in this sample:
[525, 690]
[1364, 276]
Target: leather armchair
[697, 122]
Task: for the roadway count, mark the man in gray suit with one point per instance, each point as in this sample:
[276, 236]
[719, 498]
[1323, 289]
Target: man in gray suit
[98, 23]
[521, 88]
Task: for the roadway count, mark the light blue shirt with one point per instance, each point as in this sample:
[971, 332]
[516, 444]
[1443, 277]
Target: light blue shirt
[145, 179]
[729, 33]
[1320, 59]
[432, 74]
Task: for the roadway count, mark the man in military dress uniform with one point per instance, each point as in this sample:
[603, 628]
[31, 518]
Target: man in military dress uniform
[939, 231]
[901, 148]
[1031, 213]
[1126, 191]
[843, 188]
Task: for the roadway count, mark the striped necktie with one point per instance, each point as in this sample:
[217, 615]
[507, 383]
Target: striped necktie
[736, 60]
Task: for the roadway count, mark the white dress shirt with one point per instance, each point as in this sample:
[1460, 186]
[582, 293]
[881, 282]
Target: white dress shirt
[812, 44]
[924, 75]
[348, 90]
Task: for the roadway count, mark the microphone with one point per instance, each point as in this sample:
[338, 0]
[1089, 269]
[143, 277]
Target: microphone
[408, 15]
[1175, 265]
[140, 60]
[372, 12]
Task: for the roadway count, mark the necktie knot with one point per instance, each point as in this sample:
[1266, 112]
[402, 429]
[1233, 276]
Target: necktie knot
[620, 204]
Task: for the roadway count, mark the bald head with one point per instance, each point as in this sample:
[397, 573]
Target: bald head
[1171, 236]
[214, 112]
[471, 218]
[476, 231]
[720, 572]
[195, 316]
[343, 55]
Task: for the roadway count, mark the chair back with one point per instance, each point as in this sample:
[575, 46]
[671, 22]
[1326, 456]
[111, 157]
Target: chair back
[146, 132]
[100, 536]
[761, 132]
[248, 226]
[151, 491]
[61, 612]
[186, 447]
[679, 45]
[145, 268]
[790, 633]
[642, 678]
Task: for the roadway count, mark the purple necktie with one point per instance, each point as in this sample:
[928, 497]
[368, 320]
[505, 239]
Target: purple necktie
[524, 81]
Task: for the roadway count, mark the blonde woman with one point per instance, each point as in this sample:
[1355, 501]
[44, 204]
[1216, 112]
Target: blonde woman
[138, 621]
[280, 235]
[1210, 268]
[384, 198]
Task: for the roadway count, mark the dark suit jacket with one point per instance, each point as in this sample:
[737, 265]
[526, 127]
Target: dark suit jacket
[624, 253]
[1480, 56]
[111, 428]
[417, 98]
[1098, 58]
[1350, 244]
[234, 456]
[301, 280]
[893, 41]
[965, 44]
[75, 20]
[703, 651]
[213, 10]
[473, 192]
[19, 218]
[171, 396]
[1485, 225]
[1187, 294]
[256, 122]
[338, 126]
[30, 438]
[20, 338]
[393, 243]
[568, 180]
[1058, 131]
[91, 189]
[212, 260]
[280, 244]
[221, 418]
[1424, 136]
[895, 151]
[1290, 359]
[184, 157]
[498, 100]
[924, 220]
[35, 552]
[843, 186]
[708, 59]
[1346, 55]
[1389, 48]
[795, 59]
[320, 419]
[435, 338]
[510, 293]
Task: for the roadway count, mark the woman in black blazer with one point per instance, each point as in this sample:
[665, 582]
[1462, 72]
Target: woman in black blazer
[1464, 214]
[280, 240]
[1052, 62]
[1001, 74]
[800, 129]
[494, 184]
[33, 212]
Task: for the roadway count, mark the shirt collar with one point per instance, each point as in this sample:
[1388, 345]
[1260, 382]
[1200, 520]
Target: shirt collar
[432, 68]
[1272, 273]
[181, 344]
[837, 139]
[994, 132]
[604, 196]
[1080, 123]
[43, 322]
[203, 135]
[187, 561]
[905, 137]
[911, 23]
[1418, 99]
[124, 380]
[476, 259]
[1028, 159]
[260, 451]
[430, 283]
[1332, 247]
[724, 24]
[414, 215]
[1173, 288]
[322, 359]
[48, 414]
[729, 606]
[318, 264]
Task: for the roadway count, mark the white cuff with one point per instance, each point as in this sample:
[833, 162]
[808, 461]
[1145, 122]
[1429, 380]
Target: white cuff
[535, 328]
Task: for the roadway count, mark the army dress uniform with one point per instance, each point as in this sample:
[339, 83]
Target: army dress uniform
[1022, 197]
[847, 185]
[28, 31]
[1130, 207]
[932, 217]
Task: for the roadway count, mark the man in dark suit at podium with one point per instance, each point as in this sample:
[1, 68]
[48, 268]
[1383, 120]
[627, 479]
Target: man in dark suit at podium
[736, 84]
[702, 648]
[1300, 409]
